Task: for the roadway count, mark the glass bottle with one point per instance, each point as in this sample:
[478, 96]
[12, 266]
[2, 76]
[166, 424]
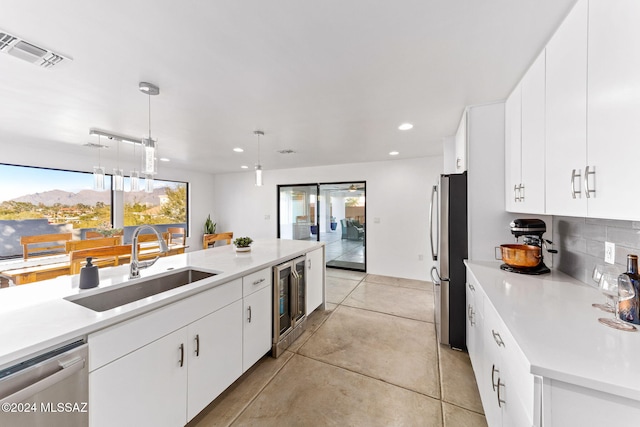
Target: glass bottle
[630, 309]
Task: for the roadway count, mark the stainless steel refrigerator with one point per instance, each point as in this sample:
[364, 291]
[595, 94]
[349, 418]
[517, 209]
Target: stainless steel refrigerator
[449, 248]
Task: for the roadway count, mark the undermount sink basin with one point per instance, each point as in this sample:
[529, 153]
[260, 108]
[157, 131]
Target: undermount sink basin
[138, 289]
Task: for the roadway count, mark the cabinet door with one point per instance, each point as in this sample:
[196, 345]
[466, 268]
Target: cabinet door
[532, 151]
[461, 144]
[315, 279]
[566, 115]
[215, 355]
[257, 326]
[613, 108]
[474, 330]
[145, 387]
[513, 138]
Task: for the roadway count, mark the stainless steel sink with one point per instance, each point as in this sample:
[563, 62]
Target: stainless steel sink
[139, 289]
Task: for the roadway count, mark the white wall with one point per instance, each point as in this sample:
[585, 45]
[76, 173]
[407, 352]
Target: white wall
[397, 194]
[81, 158]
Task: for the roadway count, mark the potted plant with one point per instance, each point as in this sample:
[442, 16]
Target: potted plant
[209, 226]
[334, 224]
[107, 230]
[243, 244]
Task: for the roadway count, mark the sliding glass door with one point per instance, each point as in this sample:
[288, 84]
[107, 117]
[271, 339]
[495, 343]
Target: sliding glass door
[334, 213]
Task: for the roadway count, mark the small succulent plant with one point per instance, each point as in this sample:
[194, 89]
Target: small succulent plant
[209, 226]
[243, 242]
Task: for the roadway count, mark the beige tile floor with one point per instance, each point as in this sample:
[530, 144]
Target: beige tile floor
[370, 359]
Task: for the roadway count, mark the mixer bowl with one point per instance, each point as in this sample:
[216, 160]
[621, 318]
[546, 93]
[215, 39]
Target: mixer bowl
[516, 255]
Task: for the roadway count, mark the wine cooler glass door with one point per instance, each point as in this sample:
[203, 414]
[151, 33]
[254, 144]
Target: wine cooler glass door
[300, 265]
[282, 300]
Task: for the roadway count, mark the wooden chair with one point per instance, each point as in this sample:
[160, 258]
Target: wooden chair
[181, 240]
[76, 245]
[105, 256]
[211, 239]
[44, 244]
[150, 240]
[93, 235]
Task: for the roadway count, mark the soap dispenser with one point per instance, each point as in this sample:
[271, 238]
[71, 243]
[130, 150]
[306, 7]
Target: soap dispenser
[89, 277]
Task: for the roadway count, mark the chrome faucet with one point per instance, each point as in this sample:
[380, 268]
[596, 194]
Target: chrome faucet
[136, 265]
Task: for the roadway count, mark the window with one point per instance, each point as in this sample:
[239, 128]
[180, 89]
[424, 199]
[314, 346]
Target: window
[167, 204]
[50, 201]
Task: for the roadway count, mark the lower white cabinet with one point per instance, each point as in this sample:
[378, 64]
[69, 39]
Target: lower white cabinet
[505, 384]
[146, 387]
[256, 337]
[315, 279]
[214, 358]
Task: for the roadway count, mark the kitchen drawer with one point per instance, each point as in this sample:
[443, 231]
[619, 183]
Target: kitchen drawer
[256, 281]
[513, 364]
[120, 339]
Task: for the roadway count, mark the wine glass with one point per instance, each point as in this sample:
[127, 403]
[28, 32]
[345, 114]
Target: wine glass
[624, 291]
[596, 275]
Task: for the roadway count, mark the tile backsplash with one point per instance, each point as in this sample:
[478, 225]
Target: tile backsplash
[580, 244]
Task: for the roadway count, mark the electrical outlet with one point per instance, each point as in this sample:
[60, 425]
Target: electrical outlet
[609, 252]
[267, 217]
[376, 220]
[420, 257]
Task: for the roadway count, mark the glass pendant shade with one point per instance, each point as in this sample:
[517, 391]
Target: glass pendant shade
[134, 181]
[149, 156]
[118, 180]
[259, 182]
[148, 184]
[98, 178]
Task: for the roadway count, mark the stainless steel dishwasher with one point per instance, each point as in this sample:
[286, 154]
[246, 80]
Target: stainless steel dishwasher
[50, 389]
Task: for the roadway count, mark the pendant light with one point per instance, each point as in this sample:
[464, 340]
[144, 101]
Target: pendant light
[134, 179]
[118, 174]
[149, 144]
[98, 171]
[258, 167]
[352, 188]
[148, 183]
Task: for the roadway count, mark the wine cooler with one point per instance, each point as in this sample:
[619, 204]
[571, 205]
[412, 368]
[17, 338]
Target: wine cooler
[289, 303]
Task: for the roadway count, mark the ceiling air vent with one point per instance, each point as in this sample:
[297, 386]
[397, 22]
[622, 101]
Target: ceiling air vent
[29, 52]
[286, 151]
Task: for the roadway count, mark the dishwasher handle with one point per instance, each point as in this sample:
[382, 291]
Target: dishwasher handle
[68, 368]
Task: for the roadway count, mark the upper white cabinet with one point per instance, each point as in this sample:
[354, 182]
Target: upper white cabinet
[524, 149]
[566, 115]
[461, 145]
[613, 109]
[513, 148]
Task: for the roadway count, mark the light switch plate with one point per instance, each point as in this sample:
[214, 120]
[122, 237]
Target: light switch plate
[609, 252]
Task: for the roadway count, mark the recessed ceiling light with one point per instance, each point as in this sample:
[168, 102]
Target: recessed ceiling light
[238, 150]
[164, 159]
[244, 167]
[394, 153]
[405, 126]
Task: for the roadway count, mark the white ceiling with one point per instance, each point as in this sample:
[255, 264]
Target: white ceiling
[329, 79]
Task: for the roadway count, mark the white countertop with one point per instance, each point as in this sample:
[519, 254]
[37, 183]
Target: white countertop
[35, 317]
[551, 318]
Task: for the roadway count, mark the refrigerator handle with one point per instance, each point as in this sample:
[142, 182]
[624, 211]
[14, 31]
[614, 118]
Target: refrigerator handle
[435, 279]
[434, 203]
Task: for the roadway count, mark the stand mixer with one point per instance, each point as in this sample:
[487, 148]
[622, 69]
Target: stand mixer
[531, 231]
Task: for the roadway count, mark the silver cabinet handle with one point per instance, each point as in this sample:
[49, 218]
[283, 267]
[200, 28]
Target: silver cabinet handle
[458, 161]
[197, 345]
[515, 193]
[471, 287]
[575, 175]
[181, 355]
[309, 267]
[497, 338]
[521, 192]
[257, 282]
[249, 311]
[589, 170]
[493, 381]
[500, 401]
[434, 247]
[470, 314]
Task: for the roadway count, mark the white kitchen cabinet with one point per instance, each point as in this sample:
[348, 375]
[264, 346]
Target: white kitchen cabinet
[513, 149]
[256, 331]
[533, 134]
[315, 279]
[214, 358]
[146, 387]
[613, 108]
[502, 372]
[524, 142]
[461, 144]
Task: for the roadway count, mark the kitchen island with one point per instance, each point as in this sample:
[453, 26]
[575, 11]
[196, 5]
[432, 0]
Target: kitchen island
[235, 303]
[540, 355]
